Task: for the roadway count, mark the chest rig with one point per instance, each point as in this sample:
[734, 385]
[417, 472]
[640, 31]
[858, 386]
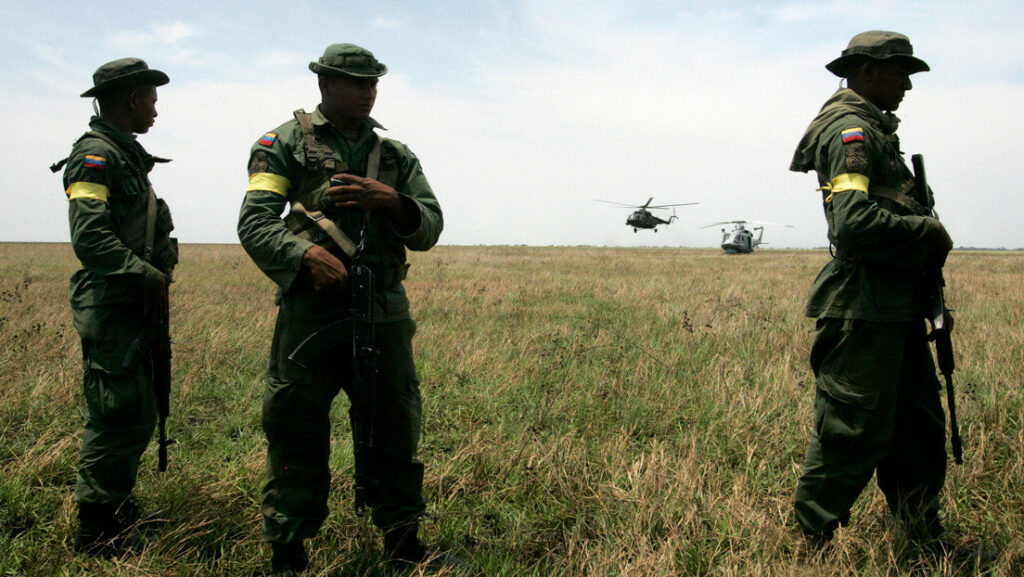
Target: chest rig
[311, 217]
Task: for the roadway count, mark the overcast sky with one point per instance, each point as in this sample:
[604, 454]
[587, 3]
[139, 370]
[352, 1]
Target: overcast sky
[523, 113]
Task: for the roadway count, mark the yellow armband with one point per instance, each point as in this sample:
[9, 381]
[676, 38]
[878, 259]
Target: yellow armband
[87, 190]
[271, 182]
[844, 182]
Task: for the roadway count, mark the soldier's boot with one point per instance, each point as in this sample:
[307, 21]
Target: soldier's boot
[288, 559]
[99, 532]
[404, 548]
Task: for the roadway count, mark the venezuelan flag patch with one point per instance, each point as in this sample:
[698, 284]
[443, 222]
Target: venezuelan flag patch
[268, 139]
[852, 135]
[93, 161]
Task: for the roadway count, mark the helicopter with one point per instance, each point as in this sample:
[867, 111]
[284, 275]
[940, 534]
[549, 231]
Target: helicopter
[642, 217]
[739, 240]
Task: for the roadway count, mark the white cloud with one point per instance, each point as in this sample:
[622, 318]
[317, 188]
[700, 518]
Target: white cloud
[157, 34]
[387, 23]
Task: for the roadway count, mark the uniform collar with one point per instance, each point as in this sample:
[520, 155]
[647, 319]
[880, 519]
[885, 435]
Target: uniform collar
[319, 120]
[842, 103]
[122, 138]
[127, 142]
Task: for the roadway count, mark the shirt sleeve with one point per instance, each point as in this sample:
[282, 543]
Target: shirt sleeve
[92, 172]
[261, 230]
[418, 196]
[857, 223]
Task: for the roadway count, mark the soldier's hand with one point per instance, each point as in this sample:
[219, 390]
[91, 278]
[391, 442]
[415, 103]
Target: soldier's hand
[327, 270]
[154, 285]
[941, 245]
[369, 194]
[364, 193]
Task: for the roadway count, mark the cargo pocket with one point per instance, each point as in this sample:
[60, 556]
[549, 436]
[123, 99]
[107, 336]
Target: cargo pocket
[114, 398]
[850, 364]
[844, 359]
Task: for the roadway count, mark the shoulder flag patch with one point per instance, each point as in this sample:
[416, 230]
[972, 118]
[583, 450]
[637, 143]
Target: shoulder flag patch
[268, 139]
[852, 135]
[93, 161]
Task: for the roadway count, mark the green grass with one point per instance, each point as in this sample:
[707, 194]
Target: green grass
[588, 411]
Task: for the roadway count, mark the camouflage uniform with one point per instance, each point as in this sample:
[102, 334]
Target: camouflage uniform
[877, 404]
[107, 185]
[296, 401]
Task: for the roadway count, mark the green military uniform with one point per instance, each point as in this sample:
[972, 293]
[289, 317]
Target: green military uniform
[107, 185]
[291, 165]
[877, 404]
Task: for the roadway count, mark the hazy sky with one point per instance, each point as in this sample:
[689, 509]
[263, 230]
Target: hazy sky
[523, 113]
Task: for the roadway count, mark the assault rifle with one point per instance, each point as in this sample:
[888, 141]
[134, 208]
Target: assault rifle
[357, 329]
[937, 312]
[155, 339]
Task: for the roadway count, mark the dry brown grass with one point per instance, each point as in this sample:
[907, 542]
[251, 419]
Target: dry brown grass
[589, 412]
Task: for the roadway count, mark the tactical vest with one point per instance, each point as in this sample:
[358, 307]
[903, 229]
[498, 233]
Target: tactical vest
[311, 218]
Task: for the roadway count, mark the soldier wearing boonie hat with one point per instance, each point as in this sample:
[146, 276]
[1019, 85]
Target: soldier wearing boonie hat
[877, 45]
[877, 403]
[348, 60]
[383, 207]
[124, 73]
[107, 185]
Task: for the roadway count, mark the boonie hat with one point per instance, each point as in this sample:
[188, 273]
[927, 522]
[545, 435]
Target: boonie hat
[877, 45]
[122, 73]
[348, 60]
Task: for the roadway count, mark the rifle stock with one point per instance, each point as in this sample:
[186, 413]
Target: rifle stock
[937, 311]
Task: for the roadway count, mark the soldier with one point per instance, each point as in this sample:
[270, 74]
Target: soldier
[109, 194]
[380, 199]
[877, 406]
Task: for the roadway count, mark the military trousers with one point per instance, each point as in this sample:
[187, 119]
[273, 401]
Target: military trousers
[122, 409]
[877, 411]
[296, 420]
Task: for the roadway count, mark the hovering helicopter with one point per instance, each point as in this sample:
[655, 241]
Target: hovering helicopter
[739, 240]
[642, 217]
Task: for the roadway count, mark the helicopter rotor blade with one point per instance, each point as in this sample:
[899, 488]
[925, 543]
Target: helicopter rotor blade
[724, 222]
[671, 205]
[757, 222]
[618, 203]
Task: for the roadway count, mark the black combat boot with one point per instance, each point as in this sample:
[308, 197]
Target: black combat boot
[403, 548]
[99, 532]
[289, 559]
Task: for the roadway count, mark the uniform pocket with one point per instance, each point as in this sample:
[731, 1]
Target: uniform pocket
[845, 358]
[114, 398]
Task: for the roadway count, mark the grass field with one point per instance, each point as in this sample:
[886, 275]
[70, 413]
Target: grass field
[589, 412]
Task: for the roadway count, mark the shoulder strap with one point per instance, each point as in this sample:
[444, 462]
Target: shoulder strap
[373, 162]
[151, 209]
[318, 154]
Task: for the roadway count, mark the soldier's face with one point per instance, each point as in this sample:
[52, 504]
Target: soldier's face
[890, 83]
[350, 97]
[143, 107]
